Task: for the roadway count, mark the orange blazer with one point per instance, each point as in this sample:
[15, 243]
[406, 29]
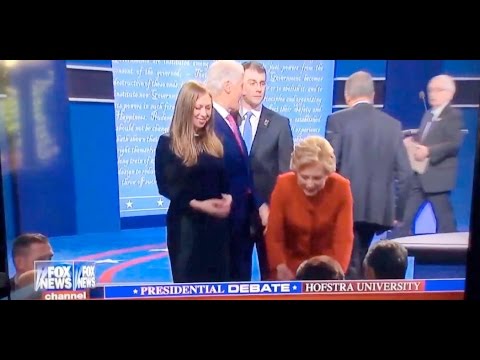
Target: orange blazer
[300, 227]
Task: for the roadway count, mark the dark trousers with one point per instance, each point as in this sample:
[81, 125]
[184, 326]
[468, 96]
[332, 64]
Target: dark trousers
[363, 236]
[441, 205]
[241, 248]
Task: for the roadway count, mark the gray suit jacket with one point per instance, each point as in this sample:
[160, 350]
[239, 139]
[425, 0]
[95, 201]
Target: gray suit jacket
[370, 152]
[271, 151]
[443, 139]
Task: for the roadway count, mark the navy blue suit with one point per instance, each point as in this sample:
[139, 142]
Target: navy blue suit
[244, 200]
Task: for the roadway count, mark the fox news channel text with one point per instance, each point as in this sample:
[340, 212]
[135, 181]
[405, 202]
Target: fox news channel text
[69, 276]
[66, 295]
[152, 291]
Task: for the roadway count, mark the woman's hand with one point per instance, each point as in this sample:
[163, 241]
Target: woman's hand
[219, 208]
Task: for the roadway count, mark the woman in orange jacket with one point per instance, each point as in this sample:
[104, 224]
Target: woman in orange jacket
[311, 211]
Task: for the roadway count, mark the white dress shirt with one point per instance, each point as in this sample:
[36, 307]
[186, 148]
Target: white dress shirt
[437, 111]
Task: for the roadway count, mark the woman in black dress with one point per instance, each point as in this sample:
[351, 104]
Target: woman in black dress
[190, 172]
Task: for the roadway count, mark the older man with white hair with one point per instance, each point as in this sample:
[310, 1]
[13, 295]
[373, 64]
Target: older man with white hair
[224, 81]
[438, 141]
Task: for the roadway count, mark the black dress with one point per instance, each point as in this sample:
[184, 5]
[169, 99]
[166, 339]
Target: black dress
[197, 242]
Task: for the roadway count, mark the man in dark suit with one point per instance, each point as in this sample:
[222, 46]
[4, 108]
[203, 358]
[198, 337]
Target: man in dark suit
[370, 152]
[437, 141]
[269, 141]
[225, 83]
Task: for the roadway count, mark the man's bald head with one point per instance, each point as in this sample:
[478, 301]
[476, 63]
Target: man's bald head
[441, 90]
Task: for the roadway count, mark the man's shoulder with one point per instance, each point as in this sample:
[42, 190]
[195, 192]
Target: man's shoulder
[387, 118]
[451, 112]
[345, 114]
[271, 114]
[340, 114]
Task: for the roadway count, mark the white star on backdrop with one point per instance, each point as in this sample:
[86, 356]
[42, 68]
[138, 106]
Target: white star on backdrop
[129, 204]
[135, 291]
[160, 202]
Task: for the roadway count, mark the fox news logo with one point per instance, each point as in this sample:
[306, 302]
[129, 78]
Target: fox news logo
[64, 275]
[84, 275]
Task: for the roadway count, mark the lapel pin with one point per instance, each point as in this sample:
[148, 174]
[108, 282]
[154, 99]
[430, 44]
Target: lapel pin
[266, 122]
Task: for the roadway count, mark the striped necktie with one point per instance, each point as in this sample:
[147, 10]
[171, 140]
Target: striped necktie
[234, 127]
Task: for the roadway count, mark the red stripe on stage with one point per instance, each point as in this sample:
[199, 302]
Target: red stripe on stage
[107, 276]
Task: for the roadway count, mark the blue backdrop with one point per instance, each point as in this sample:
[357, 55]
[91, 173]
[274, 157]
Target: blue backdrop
[145, 92]
[60, 129]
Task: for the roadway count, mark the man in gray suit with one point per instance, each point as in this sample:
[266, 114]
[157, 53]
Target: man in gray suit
[269, 140]
[370, 152]
[438, 141]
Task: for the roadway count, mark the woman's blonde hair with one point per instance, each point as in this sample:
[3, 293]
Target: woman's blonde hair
[314, 150]
[186, 143]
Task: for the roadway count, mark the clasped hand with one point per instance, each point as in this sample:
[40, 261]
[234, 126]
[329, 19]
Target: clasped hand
[219, 208]
[421, 151]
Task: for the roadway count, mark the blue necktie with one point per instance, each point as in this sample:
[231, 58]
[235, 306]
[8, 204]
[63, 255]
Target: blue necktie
[247, 131]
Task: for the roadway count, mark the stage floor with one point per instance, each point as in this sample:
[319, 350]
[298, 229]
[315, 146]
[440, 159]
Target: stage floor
[140, 255]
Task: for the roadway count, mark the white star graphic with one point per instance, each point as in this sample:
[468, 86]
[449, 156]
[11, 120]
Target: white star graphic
[160, 202]
[294, 287]
[129, 204]
[135, 291]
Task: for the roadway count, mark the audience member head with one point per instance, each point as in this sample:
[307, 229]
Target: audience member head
[28, 248]
[320, 268]
[313, 160]
[386, 259]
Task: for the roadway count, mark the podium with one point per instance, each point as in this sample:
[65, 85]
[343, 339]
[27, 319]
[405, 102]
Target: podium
[446, 248]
